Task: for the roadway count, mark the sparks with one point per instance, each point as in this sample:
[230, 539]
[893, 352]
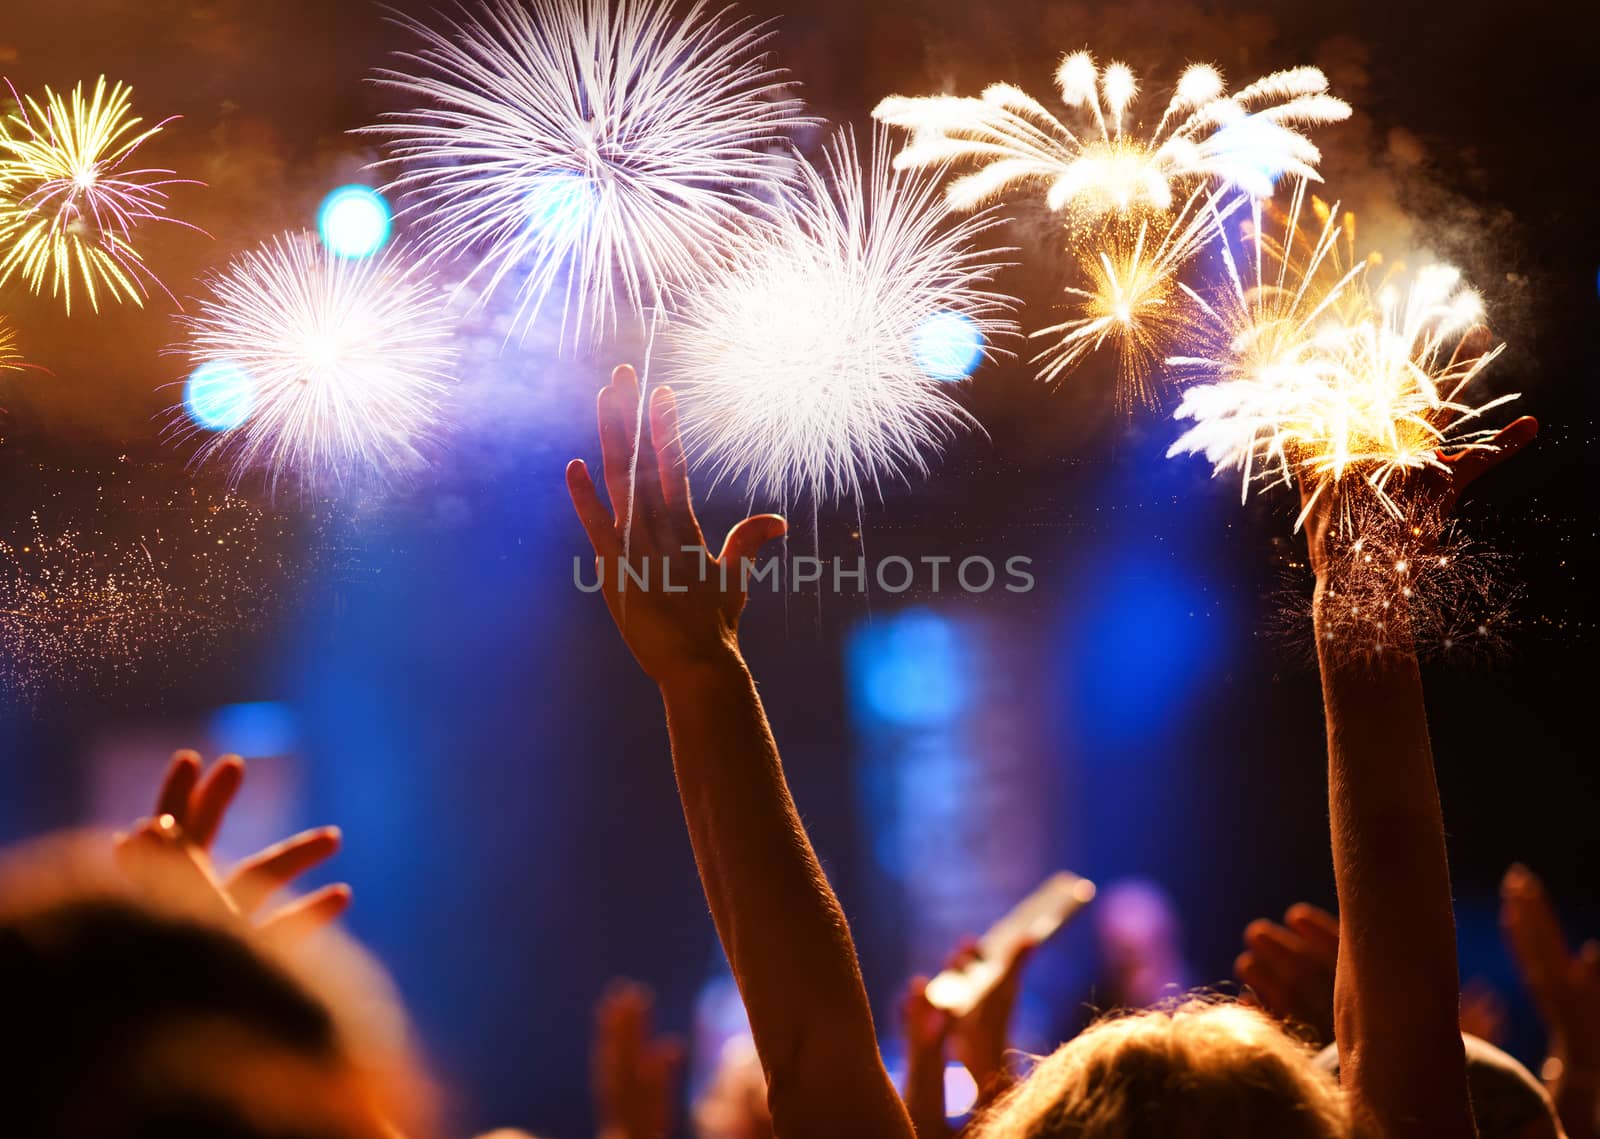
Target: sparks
[1102, 164]
[799, 368]
[10, 355]
[1134, 298]
[1413, 582]
[136, 585]
[70, 206]
[614, 144]
[1322, 369]
[347, 361]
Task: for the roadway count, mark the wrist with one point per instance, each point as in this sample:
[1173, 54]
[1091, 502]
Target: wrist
[710, 671]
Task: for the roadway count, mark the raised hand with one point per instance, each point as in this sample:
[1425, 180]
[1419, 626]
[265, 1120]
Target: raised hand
[1565, 987]
[681, 607]
[981, 1039]
[190, 808]
[779, 920]
[1434, 490]
[635, 1072]
[1290, 967]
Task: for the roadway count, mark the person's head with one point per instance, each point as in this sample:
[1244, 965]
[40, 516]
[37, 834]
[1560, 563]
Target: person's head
[1200, 1069]
[1508, 1101]
[141, 1016]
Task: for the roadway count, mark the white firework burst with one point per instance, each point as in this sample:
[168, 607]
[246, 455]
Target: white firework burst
[1103, 164]
[325, 368]
[612, 143]
[804, 368]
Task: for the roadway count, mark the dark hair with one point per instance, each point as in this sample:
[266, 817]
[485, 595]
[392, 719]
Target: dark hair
[87, 983]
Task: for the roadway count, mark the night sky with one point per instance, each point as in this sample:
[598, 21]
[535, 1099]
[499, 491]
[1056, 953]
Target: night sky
[478, 729]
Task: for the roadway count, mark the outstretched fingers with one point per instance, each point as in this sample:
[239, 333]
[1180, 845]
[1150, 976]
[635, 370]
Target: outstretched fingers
[1467, 467]
[1317, 928]
[303, 917]
[632, 479]
[211, 798]
[597, 521]
[1474, 344]
[1537, 941]
[257, 878]
[672, 466]
[183, 772]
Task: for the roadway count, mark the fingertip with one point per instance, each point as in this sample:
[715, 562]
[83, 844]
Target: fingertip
[624, 376]
[1257, 930]
[228, 773]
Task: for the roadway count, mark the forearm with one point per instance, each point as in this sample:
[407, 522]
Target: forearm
[924, 1094]
[784, 932]
[1397, 990]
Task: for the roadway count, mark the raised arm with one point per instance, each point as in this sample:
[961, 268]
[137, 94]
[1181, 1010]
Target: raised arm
[780, 923]
[1396, 991]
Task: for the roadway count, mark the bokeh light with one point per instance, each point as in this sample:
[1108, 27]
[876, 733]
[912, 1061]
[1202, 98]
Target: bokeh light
[254, 730]
[948, 346]
[355, 221]
[560, 202]
[219, 395]
[960, 1091]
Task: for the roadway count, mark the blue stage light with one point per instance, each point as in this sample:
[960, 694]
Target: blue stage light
[910, 670]
[259, 729]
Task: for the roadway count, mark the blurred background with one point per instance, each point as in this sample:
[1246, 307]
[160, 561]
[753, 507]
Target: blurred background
[418, 667]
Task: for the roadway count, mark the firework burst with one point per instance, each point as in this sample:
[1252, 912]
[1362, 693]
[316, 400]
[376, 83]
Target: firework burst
[1135, 299]
[70, 201]
[1320, 368]
[612, 144]
[340, 365]
[1102, 163]
[799, 368]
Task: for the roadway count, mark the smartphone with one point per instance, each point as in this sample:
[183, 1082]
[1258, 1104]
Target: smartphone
[1032, 920]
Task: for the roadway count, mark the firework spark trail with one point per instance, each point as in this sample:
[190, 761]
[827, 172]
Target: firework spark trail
[347, 361]
[798, 368]
[1320, 370]
[618, 144]
[1135, 299]
[10, 356]
[1101, 164]
[69, 205]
